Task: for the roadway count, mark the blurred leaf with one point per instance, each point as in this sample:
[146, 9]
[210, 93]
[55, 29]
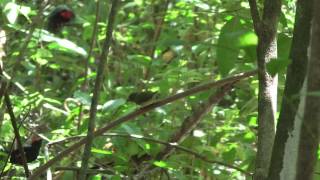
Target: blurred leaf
[113, 104]
[60, 44]
[12, 11]
[132, 148]
[101, 151]
[161, 164]
[277, 65]
[283, 46]
[83, 97]
[248, 39]
[228, 47]
[140, 59]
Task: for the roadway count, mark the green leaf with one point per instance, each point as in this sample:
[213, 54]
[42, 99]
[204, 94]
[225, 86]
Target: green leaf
[101, 151]
[283, 46]
[140, 59]
[277, 65]
[248, 39]
[60, 44]
[161, 164]
[132, 148]
[228, 45]
[12, 11]
[83, 97]
[96, 177]
[131, 128]
[113, 104]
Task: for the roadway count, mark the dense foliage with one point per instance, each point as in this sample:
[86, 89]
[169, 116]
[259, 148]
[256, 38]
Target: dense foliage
[163, 46]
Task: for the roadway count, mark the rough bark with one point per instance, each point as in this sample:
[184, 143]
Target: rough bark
[285, 137]
[266, 29]
[309, 136]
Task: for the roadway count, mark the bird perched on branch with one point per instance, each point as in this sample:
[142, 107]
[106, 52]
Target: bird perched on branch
[141, 98]
[59, 17]
[30, 149]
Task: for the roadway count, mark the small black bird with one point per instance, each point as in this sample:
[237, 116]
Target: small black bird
[60, 16]
[141, 98]
[31, 151]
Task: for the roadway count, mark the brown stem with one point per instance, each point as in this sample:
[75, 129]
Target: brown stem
[156, 35]
[96, 91]
[140, 111]
[16, 133]
[86, 66]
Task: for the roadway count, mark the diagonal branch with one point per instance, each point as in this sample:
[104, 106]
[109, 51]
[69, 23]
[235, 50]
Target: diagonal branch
[167, 144]
[192, 121]
[140, 111]
[96, 91]
[16, 133]
[189, 124]
[86, 65]
[3, 92]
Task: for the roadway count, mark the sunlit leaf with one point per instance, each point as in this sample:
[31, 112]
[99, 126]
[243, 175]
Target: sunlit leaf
[101, 151]
[12, 11]
[60, 44]
[248, 39]
[113, 104]
[161, 164]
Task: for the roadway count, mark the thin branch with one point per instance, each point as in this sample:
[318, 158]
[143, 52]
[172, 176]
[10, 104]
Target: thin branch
[89, 171]
[12, 145]
[13, 122]
[159, 21]
[181, 148]
[3, 87]
[188, 125]
[96, 91]
[16, 133]
[159, 26]
[86, 66]
[255, 16]
[167, 144]
[140, 111]
[192, 121]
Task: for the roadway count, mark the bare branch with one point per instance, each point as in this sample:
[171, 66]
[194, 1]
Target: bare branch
[255, 16]
[96, 91]
[140, 111]
[16, 133]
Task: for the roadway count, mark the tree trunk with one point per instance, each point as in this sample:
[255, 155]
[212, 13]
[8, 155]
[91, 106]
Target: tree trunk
[309, 135]
[286, 141]
[266, 29]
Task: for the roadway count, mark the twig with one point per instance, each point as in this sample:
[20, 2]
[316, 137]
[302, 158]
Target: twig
[140, 111]
[14, 123]
[192, 121]
[188, 125]
[96, 91]
[167, 144]
[12, 145]
[159, 21]
[255, 16]
[16, 133]
[181, 148]
[89, 171]
[86, 66]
